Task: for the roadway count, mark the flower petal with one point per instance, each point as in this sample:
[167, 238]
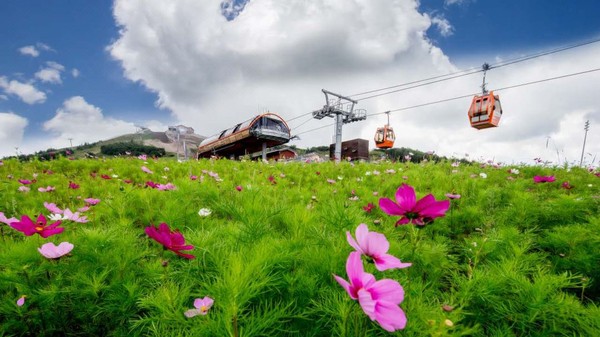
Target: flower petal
[406, 197]
[390, 207]
[387, 261]
[390, 316]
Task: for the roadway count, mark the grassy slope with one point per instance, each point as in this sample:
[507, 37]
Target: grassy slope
[512, 258]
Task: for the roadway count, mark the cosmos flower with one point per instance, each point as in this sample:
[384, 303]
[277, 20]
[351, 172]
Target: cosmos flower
[25, 181]
[73, 186]
[7, 220]
[53, 208]
[238, 188]
[92, 201]
[201, 307]
[380, 300]
[69, 215]
[204, 212]
[452, 196]
[147, 170]
[52, 251]
[24, 189]
[46, 189]
[41, 227]
[410, 210]
[171, 240]
[21, 301]
[369, 207]
[375, 246]
[543, 179]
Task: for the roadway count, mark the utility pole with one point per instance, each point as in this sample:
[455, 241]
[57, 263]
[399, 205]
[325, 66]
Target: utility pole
[342, 108]
[586, 128]
[71, 141]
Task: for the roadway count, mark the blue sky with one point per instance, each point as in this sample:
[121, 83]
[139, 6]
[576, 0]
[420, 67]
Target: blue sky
[88, 69]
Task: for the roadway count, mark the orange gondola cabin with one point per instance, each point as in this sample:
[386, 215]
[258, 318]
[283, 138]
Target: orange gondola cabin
[385, 137]
[485, 111]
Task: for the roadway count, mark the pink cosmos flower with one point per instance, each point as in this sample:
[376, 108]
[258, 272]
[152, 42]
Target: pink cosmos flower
[73, 186]
[331, 181]
[7, 220]
[25, 181]
[52, 251]
[543, 179]
[452, 196]
[83, 209]
[92, 201]
[143, 157]
[53, 208]
[105, 177]
[41, 227]
[375, 246]
[193, 177]
[151, 184]
[147, 170]
[21, 300]
[380, 300]
[46, 189]
[165, 187]
[171, 240]
[24, 189]
[238, 188]
[410, 210]
[69, 215]
[202, 306]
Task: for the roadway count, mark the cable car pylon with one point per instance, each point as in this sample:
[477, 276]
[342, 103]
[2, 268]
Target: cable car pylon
[343, 109]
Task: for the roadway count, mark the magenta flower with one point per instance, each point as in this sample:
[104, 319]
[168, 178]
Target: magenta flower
[105, 177]
[380, 300]
[151, 184]
[543, 179]
[202, 306]
[52, 251]
[73, 186]
[21, 300]
[193, 177]
[375, 246]
[171, 240]
[147, 170]
[410, 210]
[566, 185]
[28, 227]
[25, 181]
[369, 207]
[238, 188]
[7, 220]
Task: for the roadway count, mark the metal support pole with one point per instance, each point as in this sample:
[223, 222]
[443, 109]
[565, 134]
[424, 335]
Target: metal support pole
[338, 137]
[586, 128]
[264, 151]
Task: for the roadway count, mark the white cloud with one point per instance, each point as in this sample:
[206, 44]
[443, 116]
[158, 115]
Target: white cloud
[456, 2]
[51, 73]
[75, 72]
[212, 73]
[25, 91]
[12, 127]
[443, 25]
[29, 50]
[83, 122]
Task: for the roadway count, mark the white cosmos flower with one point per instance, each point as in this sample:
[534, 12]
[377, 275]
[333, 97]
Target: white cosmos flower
[204, 212]
[483, 175]
[56, 217]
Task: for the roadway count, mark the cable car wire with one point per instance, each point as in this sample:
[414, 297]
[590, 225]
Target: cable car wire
[466, 96]
[457, 74]
[466, 72]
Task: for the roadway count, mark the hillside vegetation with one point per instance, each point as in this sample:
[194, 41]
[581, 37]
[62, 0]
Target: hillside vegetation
[510, 257]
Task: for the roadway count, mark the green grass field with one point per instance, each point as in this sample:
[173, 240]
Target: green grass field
[510, 258]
